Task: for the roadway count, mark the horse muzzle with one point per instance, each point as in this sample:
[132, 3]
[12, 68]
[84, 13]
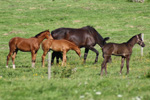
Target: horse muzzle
[143, 45]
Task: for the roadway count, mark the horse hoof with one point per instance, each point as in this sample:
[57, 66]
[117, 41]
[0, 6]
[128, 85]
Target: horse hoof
[14, 66]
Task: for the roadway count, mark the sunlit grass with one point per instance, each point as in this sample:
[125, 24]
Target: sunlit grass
[119, 20]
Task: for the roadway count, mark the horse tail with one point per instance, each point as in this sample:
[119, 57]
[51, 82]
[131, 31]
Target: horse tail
[104, 40]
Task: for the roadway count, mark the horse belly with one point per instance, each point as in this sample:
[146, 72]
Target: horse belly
[120, 51]
[56, 48]
[24, 47]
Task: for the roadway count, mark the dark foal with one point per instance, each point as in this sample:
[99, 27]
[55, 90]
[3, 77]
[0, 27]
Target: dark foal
[124, 50]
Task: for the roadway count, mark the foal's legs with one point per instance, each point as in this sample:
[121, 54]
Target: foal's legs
[64, 58]
[122, 63]
[8, 57]
[43, 58]
[12, 50]
[104, 64]
[107, 60]
[33, 53]
[13, 58]
[127, 64]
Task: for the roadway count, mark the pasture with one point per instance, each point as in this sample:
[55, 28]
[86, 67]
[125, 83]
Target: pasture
[117, 19]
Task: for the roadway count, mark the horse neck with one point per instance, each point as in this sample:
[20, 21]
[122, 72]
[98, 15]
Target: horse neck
[50, 41]
[74, 47]
[41, 38]
[131, 42]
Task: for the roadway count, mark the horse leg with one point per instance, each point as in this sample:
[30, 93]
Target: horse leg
[12, 50]
[122, 64]
[33, 58]
[127, 64]
[43, 58]
[53, 57]
[64, 58]
[107, 60]
[13, 58]
[59, 55]
[103, 65]
[97, 53]
[85, 54]
[8, 57]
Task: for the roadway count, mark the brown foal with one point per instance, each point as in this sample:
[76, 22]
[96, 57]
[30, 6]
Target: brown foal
[58, 45]
[26, 45]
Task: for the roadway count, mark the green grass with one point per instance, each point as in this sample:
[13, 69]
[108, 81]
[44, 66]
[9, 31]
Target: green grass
[117, 19]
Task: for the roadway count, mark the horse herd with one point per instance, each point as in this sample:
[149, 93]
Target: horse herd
[62, 40]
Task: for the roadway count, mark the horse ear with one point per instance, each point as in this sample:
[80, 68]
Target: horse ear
[140, 34]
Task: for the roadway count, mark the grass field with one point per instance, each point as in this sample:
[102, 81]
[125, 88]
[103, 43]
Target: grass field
[117, 19]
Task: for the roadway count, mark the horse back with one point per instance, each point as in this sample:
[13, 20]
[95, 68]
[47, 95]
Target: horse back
[81, 36]
[63, 43]
[116, 49]
[23, 44]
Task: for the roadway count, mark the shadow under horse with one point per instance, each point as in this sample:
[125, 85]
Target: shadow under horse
[26, 45]
[86, 37]
[124, 50]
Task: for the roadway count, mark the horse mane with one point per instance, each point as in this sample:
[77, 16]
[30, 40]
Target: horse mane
[99, 39]
[130, 39]
[88, 27]
[36, 36]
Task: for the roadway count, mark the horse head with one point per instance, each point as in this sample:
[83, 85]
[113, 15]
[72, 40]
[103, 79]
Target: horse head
[139, 40]
[47, 34]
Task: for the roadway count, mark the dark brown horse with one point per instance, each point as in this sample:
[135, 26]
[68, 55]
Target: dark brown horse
[86, 37]
[58, 45]
[124, 50]
[26, 45]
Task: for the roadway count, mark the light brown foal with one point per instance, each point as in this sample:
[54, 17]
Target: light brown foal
[26, 45]
[58, 45]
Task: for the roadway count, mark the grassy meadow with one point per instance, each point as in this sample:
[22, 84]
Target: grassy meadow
[117, 19]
